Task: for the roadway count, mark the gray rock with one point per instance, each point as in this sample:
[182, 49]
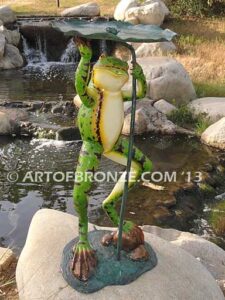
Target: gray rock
[209, 254]
[7, 15]
[150, 13]
[122, 7]
[177, 276]
[68, 134]
[12, 36]
[155, 49]
[214, 135]
[2, 45]
[164, 107]
[57, 108]
[12, 58]
[1, 23]
[213, 107]
[148, 119]
[90, 9]
[167, 80]
[8, 126]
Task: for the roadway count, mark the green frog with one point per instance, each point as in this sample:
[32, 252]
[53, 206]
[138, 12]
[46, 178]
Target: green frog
[100, 122]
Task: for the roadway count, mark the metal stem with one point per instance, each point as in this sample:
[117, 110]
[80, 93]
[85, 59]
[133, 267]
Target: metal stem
[130, 154]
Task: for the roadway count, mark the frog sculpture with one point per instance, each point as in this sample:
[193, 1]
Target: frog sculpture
[100, 122]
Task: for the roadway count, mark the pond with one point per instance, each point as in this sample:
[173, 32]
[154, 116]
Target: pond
[179, 206]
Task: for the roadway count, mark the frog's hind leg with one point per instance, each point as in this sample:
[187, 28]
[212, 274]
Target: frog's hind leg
[132, 234]
[84, 260]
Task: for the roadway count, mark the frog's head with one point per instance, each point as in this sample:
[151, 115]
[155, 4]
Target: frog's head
[110, 73]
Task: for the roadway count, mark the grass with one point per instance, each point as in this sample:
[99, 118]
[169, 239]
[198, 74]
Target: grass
[201, 49]
[217, 218]
[46, 7]
[185, 117]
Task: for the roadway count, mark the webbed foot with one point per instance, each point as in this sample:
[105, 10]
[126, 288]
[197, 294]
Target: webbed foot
[84, 261]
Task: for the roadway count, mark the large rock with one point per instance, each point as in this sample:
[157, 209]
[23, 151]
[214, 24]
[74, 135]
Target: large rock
[209, 254]
[164, 107]
[12, 36]
[177, 276]
[12, 58]
[122, 7]
[214, 135]
[2, 45]
[7, 15]
[90, 9]
[148, 119]
[8, 126]
[167, 80]
[153, 13]
[213, 107]
[155, 49]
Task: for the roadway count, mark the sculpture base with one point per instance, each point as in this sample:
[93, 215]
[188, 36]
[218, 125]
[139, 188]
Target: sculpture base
[109, 270]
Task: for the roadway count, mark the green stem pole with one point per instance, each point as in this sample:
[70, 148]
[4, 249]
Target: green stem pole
[130, 154]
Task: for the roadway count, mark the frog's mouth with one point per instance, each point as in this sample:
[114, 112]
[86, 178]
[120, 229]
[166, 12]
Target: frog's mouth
[117, 72]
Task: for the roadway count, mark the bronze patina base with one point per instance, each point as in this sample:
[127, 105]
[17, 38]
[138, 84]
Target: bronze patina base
[109, 270]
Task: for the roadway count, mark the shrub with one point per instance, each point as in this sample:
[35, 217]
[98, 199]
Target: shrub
[197, 7]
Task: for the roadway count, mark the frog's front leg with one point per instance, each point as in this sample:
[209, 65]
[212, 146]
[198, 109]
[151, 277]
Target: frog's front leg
[83, 72]
[84, 260]
[141, 84]
[133, 236]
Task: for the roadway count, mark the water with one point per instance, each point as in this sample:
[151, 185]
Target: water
[19, 201]
[53, 81]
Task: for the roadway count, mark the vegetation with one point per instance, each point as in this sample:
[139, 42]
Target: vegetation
[217, 218]
[197, 7]
[185, 117]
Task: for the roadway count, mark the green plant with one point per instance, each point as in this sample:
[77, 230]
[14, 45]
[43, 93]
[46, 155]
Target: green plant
[217, 218]
[202, 124]
[183, 116]
[197, 7]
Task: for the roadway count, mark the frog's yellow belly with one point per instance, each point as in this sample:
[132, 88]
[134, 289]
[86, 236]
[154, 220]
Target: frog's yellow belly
[111, 120]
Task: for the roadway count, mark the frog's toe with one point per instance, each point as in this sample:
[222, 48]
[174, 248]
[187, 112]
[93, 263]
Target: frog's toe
[139, 253]
[107, 239]
[131, 239]
[84, 262]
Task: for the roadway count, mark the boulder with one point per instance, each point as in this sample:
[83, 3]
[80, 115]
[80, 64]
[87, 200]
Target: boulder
[90, 9]
[122, 7]
[12, 36]
[214, 135]
[153, 13]
[213, 107]
[68, 134]
[8, 126]
[155, 49]
[209, 254]
[6, 258]
[178, 275]
[148, 119]
[164, 107]
[12, 58]
[162, 3]
[167, 80]
[2, 45]
[7, 15]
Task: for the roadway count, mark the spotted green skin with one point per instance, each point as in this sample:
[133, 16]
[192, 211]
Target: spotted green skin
[92, 149]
